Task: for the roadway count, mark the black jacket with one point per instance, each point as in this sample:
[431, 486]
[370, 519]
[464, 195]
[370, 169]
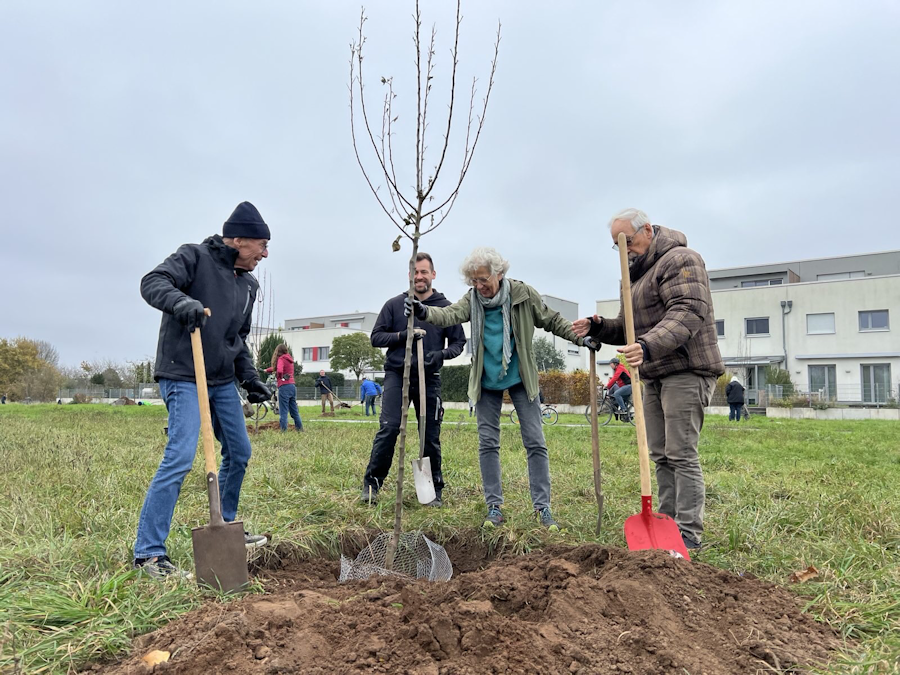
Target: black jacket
[734, 392]
[206, 273]
[390, 332]
[323, 381]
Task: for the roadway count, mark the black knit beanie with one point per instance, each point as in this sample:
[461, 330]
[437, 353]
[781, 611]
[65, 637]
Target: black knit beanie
[245, 221]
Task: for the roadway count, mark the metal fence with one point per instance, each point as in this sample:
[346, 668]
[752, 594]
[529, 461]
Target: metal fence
[150, 390]
[875, 396]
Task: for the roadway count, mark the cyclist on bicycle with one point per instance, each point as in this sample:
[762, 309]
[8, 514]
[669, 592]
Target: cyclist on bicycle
[619, 384]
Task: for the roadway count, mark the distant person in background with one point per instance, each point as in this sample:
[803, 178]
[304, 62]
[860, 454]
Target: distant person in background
[283, 367]
[619, 384]
[734, 394]
[368, 392]
[326, 390]
[3, 399]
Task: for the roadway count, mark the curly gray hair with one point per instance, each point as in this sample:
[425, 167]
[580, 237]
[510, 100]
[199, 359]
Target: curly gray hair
[483, 256]
[636, 217]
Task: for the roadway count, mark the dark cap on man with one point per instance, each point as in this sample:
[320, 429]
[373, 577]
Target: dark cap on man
[245, 221]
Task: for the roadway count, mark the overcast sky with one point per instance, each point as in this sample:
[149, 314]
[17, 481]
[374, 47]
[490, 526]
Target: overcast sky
[766, 131]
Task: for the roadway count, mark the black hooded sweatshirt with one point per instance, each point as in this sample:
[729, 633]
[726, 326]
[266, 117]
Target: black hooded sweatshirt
[206, 273]
[390, 332]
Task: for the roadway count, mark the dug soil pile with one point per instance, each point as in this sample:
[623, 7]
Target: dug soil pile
[588, 609]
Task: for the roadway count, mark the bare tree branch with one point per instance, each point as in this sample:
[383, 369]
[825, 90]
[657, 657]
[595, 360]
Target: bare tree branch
[469, 151]
[455, 53]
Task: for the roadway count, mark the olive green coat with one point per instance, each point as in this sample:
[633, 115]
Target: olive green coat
[528, 312]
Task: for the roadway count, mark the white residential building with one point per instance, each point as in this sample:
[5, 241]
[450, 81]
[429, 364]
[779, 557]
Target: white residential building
[827, 321]
[310, 338]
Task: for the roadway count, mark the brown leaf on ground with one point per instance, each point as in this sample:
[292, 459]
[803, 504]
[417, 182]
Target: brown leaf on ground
[804, 575]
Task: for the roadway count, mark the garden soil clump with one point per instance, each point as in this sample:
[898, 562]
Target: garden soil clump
[588, 609]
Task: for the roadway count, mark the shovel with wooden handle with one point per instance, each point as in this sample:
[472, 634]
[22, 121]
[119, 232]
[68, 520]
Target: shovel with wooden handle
[220, 557]
[422, 467]
[595, 439]
[645, 529]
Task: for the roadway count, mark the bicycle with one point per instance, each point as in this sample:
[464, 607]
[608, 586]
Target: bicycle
[607, 407]
[548, 415]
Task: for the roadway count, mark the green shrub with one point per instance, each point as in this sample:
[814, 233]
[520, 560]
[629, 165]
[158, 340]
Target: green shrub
[455, 383]
[309, 379]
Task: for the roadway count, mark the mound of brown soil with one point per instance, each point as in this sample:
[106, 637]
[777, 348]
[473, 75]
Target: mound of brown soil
[588, 609]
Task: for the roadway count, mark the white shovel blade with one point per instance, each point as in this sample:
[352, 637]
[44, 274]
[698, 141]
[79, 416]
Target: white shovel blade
[422, 478]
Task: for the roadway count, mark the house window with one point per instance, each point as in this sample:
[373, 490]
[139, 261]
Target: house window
[720, 327]
[307, 354]
[760, 282]
[819, 324]
[876, 319]
[840, 275]
[758, 326]
[823, 381]
[876, 382]
[323, 353]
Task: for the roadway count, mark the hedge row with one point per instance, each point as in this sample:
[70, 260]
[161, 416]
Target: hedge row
[557, 386]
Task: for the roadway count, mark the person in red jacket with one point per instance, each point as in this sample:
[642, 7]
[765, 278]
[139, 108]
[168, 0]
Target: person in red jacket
[283, 367]
[619, 384]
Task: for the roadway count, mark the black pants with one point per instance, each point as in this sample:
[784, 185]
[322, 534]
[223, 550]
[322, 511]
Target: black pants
[391, 404]
[734, 412]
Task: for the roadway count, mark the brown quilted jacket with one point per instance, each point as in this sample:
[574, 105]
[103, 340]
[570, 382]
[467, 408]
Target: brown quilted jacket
[673, 312]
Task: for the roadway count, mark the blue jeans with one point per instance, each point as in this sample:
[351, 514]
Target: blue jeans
[529, 412]
[184, 431]
[287, 403]
[370, 402]
[734, 411]
[621, 393]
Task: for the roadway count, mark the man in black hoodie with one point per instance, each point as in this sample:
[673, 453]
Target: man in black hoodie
[440, 344]
[214, 275]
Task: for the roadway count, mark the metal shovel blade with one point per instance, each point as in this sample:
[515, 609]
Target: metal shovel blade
[423, 480]
[220, 557]
[654, 530]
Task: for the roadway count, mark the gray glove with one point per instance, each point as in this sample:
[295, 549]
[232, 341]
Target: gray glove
[591, 343]
[413, 305]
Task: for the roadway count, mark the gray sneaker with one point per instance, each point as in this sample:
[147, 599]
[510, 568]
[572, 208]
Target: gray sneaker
[160, 567]
[493, 518]
[547, 519]
[368, 496]
[437, 502]
[254, 540]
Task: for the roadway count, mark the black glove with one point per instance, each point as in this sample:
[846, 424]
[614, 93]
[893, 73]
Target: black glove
[591, 343]
[257, 392]
[190, 313]
[434, 360]
[413, 305]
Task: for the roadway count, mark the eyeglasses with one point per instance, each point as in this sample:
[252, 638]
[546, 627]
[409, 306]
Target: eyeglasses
[479, 281]
[264, 244]
[628, 240]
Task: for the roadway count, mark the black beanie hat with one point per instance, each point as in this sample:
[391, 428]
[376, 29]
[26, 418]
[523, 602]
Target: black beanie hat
[245, 221]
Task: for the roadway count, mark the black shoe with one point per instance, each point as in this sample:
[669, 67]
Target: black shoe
[689, 543]
[436, 502]
[368, 496]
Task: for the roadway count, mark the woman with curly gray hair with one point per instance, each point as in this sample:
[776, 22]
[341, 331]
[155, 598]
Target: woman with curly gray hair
[503, 314]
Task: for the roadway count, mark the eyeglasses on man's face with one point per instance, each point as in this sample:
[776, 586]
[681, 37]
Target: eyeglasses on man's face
[628, 240]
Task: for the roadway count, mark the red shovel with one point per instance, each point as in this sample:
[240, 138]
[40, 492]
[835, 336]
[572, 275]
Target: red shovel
[645, 529]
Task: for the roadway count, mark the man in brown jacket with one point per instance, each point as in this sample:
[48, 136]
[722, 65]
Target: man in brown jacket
[677, 350]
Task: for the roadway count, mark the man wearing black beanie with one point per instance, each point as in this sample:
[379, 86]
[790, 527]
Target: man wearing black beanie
[214, 275]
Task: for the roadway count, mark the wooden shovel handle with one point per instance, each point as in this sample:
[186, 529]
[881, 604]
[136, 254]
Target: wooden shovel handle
[420, 352]
[206, 430]
[595, 439]
[636, 395]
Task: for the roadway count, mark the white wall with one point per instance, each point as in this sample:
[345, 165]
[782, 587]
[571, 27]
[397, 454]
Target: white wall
[848, 348]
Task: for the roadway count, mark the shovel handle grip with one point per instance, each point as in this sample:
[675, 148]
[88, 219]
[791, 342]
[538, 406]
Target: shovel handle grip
[636, 394]
[420, 352]
[206, 430]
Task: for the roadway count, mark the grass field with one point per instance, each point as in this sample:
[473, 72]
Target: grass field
[781, 495]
